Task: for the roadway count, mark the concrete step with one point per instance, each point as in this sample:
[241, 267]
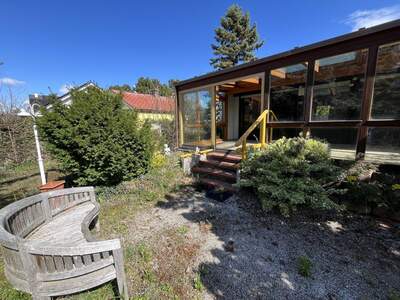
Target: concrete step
[226, 165]
[216, 173]
[223, 156]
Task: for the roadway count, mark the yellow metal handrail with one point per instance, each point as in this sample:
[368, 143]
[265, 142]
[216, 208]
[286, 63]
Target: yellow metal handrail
[262, 119]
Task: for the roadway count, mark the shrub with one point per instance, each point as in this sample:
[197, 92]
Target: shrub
[291, 173]
[96, 141]
[158, 160]
[371, 186]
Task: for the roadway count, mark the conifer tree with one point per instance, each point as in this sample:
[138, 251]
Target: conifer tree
[236, 39]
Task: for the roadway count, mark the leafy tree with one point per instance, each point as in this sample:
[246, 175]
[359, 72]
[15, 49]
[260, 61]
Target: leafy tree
[96, 141]
[236, 39]
[123, 88]
[146, 85]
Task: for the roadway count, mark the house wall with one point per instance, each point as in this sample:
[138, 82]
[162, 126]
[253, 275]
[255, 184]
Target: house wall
[233, 117]
[154, 116]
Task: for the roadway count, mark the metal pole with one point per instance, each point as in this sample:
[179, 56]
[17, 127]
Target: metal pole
[39, 152]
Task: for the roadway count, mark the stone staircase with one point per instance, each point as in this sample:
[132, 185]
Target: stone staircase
[218, 170]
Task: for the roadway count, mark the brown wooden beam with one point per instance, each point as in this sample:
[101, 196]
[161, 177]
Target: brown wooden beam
[366, 103]
[383, 123]
[308, 98]
[316, 124]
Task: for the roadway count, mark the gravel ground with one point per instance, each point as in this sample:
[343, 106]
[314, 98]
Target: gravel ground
[248, 255]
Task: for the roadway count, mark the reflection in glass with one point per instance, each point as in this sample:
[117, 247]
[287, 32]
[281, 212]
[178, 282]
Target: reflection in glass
[342, 141]
[386, 99]
[383, 145]
[278, 133]
[220, 116]
[196, 107]
[288, 92]
[249, 110]
[338, 86]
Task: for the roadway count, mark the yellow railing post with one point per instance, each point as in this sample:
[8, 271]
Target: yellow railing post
[264, 137]
[263, 130]
[244, 149]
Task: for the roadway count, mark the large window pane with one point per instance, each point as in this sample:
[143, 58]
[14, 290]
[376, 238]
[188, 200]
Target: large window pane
[338, 86]
[386, 99]
[287, 92]
[383, 145]
[196, 107]
[342, 141]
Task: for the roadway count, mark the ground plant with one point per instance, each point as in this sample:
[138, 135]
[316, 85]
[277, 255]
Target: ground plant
[304, 266]
[290, 174]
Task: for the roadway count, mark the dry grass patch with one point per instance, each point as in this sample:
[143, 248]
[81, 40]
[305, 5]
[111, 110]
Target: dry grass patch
[160, 267]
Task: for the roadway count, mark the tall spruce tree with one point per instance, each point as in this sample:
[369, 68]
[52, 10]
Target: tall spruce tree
[236, 39]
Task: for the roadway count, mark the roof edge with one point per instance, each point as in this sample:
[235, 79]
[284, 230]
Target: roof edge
[331, 41]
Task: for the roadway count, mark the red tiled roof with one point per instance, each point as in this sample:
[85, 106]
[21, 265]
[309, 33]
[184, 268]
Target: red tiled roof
[144, 102]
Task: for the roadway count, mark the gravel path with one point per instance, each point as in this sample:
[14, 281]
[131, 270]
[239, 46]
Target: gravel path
[247, 255]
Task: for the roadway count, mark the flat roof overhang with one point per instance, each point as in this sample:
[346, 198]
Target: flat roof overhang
[363, 38]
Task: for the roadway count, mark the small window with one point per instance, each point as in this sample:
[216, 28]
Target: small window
[338, 86]
[342, 141]
[288, 92]
[386, 99]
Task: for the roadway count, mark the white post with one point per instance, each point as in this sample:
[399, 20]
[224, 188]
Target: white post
[39, 154]
[37, 142]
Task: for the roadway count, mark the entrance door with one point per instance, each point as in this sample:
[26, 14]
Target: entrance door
[249, 111]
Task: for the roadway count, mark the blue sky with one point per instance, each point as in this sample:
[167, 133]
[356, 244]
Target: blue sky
[51, 44]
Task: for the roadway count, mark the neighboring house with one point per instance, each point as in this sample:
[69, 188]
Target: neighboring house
[344, 90]
[66, 99]
[151, 107]
[148, 106]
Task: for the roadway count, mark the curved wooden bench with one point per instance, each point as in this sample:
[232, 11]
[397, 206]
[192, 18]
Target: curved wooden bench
[48, 248]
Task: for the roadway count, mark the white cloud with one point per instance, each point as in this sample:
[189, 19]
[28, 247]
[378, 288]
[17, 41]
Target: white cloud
[65, 88]
[368, 18]
[11, 81]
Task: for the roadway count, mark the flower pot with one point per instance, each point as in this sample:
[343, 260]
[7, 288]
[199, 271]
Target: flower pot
[51, 186]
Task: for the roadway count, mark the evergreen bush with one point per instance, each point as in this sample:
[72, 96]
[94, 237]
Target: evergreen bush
[292, 173]
[96, 141]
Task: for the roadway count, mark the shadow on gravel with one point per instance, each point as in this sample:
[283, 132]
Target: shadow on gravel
[257, 255]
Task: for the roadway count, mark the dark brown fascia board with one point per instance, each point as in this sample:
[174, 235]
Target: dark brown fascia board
[189, 83]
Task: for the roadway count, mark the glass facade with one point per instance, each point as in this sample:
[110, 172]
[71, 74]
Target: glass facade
[383, 145]
[196, 109]
[288, 92]
[342, 141]
[338, 86]
[386, 98]
[336, 98]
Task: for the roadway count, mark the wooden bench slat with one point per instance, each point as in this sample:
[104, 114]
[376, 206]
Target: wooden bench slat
[68, 263]
[59, 263]
[77, 272]
[78, 261]
[50, 266]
